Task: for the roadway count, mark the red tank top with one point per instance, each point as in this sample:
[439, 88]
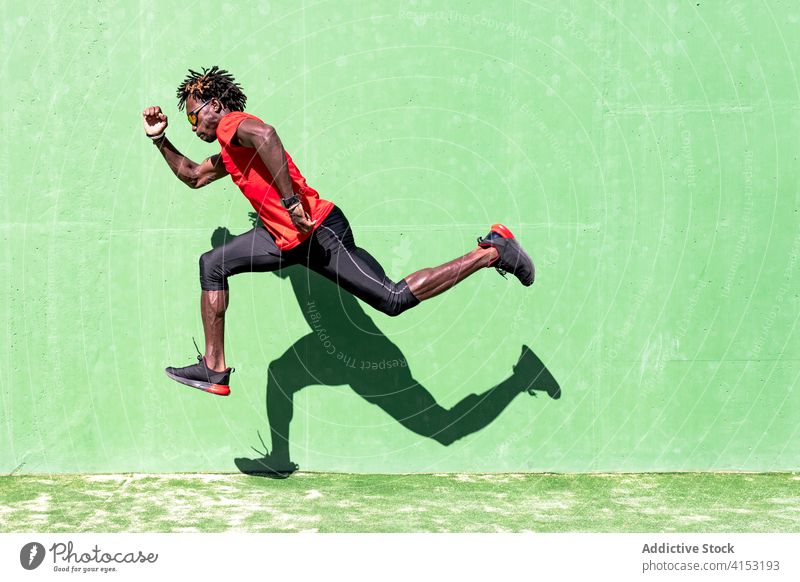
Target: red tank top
[254, 180]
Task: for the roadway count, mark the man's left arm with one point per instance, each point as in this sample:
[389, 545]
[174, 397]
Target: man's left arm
[264, 139]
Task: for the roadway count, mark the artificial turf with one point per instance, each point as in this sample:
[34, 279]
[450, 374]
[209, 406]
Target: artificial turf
[650, 502]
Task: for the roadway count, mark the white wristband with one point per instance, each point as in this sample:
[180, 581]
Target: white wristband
[159, 136]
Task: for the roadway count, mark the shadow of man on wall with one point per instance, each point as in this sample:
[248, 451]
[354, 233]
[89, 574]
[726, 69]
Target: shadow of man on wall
[345, 347]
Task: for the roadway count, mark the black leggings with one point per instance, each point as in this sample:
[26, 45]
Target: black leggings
[330, 251]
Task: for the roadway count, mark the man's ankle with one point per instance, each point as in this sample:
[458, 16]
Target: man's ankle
[489, 254]
[215, 365]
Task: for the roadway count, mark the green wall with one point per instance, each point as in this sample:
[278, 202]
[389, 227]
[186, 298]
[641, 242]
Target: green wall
[645, 152]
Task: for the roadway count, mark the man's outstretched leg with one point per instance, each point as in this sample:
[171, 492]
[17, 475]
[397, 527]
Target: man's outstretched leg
[335, 255]
[252, 251]
[498, 249]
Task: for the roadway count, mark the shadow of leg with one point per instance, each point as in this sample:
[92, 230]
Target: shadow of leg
[285, 376]
[416, 409]
[413, 406]
[377, 370]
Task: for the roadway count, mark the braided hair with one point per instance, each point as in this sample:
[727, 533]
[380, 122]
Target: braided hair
[212, 83]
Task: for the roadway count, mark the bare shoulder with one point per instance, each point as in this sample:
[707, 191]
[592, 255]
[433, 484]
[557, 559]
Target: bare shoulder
[252, 131]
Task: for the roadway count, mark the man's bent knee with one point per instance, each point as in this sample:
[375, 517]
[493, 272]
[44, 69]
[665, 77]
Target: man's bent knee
[212, 272]
[400, 300]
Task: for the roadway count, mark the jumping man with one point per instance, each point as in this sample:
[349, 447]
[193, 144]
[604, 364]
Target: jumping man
[298, 226]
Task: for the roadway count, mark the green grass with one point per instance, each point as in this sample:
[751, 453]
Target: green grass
[682, 502]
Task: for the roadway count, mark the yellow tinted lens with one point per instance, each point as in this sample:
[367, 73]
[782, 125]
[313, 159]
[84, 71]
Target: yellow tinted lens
[192, 118]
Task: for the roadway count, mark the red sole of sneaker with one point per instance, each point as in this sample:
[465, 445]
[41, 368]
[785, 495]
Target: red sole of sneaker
[502, 230]
[217, 389]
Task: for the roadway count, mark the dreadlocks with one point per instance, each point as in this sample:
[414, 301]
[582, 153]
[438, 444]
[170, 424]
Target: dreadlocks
[212, 83]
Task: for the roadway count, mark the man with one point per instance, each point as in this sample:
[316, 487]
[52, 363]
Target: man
[299, 227]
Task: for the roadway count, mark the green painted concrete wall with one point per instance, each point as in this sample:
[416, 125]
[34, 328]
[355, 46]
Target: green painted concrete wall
[645, 152]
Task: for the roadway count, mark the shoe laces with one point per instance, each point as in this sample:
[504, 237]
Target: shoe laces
[200, 357]
[502, 272]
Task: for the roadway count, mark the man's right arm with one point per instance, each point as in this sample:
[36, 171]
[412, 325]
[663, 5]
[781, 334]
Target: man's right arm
[190, 173]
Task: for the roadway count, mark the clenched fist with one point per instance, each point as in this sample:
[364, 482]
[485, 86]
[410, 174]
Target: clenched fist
[300, 218]
[155, 122]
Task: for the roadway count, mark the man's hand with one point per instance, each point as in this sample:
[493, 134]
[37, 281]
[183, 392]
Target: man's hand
[155, 122]
[300, 218]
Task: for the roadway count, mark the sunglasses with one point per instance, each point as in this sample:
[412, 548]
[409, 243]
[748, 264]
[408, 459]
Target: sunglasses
[192, 115]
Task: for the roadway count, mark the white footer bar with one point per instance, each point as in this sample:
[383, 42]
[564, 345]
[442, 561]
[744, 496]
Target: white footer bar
[400, 557]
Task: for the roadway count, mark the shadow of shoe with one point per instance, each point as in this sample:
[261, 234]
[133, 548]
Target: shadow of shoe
[535, 375]
[266, 467]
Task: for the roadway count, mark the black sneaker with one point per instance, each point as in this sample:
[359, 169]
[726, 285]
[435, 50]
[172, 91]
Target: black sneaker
[512, 257]
[202, 377]
[534, 375]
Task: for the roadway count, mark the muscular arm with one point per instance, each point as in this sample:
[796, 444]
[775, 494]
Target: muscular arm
[254, 134]
[190, 173]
